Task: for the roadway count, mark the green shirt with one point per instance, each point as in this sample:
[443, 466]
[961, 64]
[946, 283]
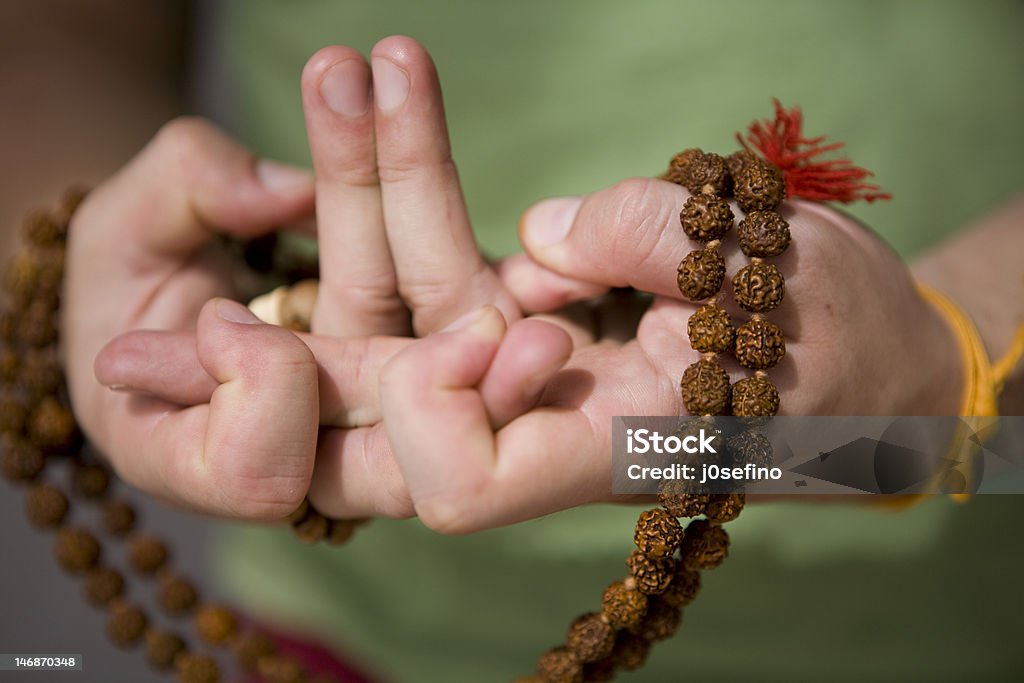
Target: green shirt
[552, 98]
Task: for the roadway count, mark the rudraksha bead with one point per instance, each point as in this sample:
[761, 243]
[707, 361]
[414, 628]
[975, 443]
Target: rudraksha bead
[162, 648]
[725, 507]
[657, 533]
[22, 279]
[600, 671]
[313, 528]
[630, 651]
[677, 167]
[146, 554]
[755, 396]
[177, 595]
[195, 667]
[623, 606]
[706, 173]
[679, 501]
[705, 388]
[752, 447]
[90, 480]
[763, 233]
[215, 624]
[77, 550]
[683, 588]
[704, 545]
[706, 217]
[760, 344]
[40, 374]
[701, 273]
[737, 161]
[710, 329]
[10, 363]
[341, 531]
[651, 574]
[126, 625]
[117, 517]
[41, 229]
[102, 585]
[21, 461]
[558, 665]
[46, 506]
[590, 638]
[758, 186]
[250, 647]
[660, 622]
[51, 426]
[759, 287]
[39, 323]
[12, 413]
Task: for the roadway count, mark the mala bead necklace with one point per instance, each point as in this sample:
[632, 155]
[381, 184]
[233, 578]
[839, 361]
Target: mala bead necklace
[664, 570]
[37, 429]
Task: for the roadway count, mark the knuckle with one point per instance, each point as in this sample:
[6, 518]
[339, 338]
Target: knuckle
[267, 499]
[640, 219]
[448, 515]
[183, 136]
[411, 167]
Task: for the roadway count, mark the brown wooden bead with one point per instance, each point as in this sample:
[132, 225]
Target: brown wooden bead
[706, 173]
[763, 234]
[677, 167]
[660, 622]
[340, 531]
[630, 651]
[117, 517]
[651, 574]
[39, 323]
[683, 588]
[759, 287]
[705, 217]
[102, 585]
[705, 388]
[559, 666]
[163, 648]
[51, 426]
[590, 637]
[215, 624]
[758, 186]
[177, 595]
[700, 274]
[250, 647]
[277, 669]
[657, 533]
[46, 506]
[623, 606]
[679, 500]
[751, 447]
[704, 545]
[313, 528]
[196, 668]
[13, 413]
[146, 554]
[737, 161]
[760, 344]
[725, 507]
[710, 329]
[20, 460]
[90, 480]
[41, 229]
[755, 396]
[126, 625]
[77, 550]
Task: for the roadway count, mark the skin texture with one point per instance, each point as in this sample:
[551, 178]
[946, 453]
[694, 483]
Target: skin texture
[457, 426]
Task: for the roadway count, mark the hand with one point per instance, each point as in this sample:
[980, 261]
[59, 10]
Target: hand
[858, 336]
[393, 231]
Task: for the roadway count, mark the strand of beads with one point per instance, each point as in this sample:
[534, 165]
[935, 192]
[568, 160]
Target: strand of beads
[37, 427]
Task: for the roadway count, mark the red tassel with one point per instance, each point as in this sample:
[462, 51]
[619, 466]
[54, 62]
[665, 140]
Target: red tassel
[782, 143]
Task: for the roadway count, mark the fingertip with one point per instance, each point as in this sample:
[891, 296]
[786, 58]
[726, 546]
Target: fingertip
[400, 49]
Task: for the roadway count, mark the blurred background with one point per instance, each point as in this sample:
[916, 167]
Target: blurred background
[547, 99]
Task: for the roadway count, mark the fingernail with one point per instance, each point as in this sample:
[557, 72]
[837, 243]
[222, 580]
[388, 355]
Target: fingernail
[278, 177]
[235, 312]
[346, 88]
[548, 222]
[390, 84]
[486, 321]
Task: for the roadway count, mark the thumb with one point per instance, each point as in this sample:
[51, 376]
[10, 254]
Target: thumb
[625, 236]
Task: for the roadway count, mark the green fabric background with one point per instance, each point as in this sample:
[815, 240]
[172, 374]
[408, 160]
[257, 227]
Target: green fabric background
[550, 98]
